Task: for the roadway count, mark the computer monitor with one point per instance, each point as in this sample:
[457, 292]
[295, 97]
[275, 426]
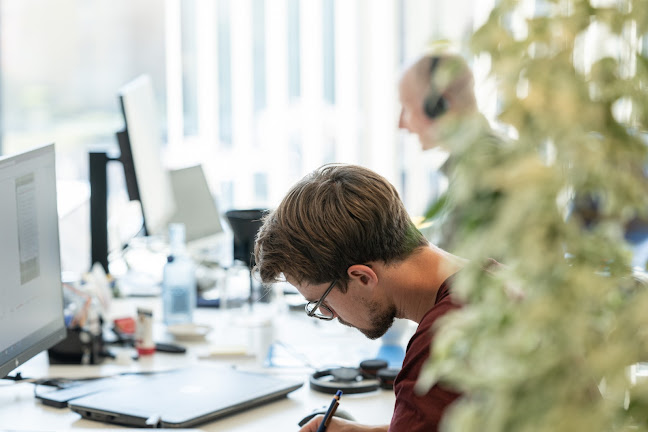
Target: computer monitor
[147, 180]
[31, 294]
[166, 196]
[196, 207]
[140, 143]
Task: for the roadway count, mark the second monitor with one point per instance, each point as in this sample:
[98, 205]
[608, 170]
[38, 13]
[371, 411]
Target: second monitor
[165, 196]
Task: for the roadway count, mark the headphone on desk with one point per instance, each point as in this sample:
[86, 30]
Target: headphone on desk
[434, 104]
[370, 376]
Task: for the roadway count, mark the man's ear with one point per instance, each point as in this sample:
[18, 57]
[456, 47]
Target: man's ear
[362, 274]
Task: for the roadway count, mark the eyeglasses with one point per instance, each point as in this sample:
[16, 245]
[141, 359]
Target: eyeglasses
[317, 309]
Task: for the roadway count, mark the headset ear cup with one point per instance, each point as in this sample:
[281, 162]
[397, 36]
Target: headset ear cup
[435, 107]
[386, 377]
[369, 368]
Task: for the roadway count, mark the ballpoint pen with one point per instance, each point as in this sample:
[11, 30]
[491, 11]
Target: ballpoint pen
[329, 413]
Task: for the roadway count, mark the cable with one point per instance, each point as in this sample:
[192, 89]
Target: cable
[295, 353]
[64, 383]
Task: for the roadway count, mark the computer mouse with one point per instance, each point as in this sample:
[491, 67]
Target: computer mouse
[338, 413]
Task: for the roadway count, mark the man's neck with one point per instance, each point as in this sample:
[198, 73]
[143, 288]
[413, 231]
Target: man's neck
[416, 281]
[455, 130]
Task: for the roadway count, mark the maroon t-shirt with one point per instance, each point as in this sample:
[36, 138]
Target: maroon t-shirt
[412, 412]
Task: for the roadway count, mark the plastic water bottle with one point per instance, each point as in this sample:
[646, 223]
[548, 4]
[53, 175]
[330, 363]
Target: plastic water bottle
[178, 280]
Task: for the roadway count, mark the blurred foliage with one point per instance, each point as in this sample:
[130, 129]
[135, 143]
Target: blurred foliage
[545, 343]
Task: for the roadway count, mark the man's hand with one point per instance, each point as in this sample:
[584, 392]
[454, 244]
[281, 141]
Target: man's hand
[340, 425]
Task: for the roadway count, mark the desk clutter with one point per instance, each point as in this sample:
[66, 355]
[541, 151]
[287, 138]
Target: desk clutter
[85, 304]
[287, 359]
[269, 339]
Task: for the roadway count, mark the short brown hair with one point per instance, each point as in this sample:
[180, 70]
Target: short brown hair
[335, 217]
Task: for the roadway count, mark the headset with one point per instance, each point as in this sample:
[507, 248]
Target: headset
[434, 105]
[370, 376]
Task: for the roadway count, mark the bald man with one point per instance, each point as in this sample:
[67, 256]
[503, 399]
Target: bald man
[436, 95]
[439, 106]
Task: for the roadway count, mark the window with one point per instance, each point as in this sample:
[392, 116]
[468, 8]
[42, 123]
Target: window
[62, 64]
[258, 91]
[224, 73]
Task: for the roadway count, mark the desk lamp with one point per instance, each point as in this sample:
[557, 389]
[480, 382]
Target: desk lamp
[245, 224]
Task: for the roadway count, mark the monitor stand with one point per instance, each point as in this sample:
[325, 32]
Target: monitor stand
[99, 207]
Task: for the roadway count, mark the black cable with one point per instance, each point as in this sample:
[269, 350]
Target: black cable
[60, 383]
[17, 377]
[63, 383]
[121, 250]
[126, 245]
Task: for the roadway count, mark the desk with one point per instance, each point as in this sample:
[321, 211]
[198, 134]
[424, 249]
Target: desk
[322, 343]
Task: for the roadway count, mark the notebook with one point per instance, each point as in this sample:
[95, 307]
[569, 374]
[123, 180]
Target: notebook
[181, 398]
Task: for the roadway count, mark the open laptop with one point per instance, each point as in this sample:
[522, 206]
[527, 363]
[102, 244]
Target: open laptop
[180, 398]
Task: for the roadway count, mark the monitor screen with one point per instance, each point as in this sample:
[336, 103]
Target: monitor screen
[196, 207]
[141, 154]
[31, 294]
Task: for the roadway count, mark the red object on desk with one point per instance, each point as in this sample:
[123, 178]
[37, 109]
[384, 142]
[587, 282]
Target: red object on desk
[125, 325]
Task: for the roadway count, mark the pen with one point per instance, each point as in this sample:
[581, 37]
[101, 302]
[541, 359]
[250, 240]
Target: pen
[329, 413]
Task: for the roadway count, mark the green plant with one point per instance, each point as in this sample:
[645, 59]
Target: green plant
[545, 343]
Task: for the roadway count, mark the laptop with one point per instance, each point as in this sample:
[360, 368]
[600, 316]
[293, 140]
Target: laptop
[180, 398]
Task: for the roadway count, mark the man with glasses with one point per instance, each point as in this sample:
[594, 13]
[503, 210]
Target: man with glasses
[343, 238]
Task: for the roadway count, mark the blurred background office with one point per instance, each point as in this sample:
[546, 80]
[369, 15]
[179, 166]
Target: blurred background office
[258, 91]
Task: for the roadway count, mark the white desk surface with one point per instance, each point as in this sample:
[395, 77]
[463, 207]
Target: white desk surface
[323, 344]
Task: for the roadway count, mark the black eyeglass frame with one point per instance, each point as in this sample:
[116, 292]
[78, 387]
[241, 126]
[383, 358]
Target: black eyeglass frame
[312, 307]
